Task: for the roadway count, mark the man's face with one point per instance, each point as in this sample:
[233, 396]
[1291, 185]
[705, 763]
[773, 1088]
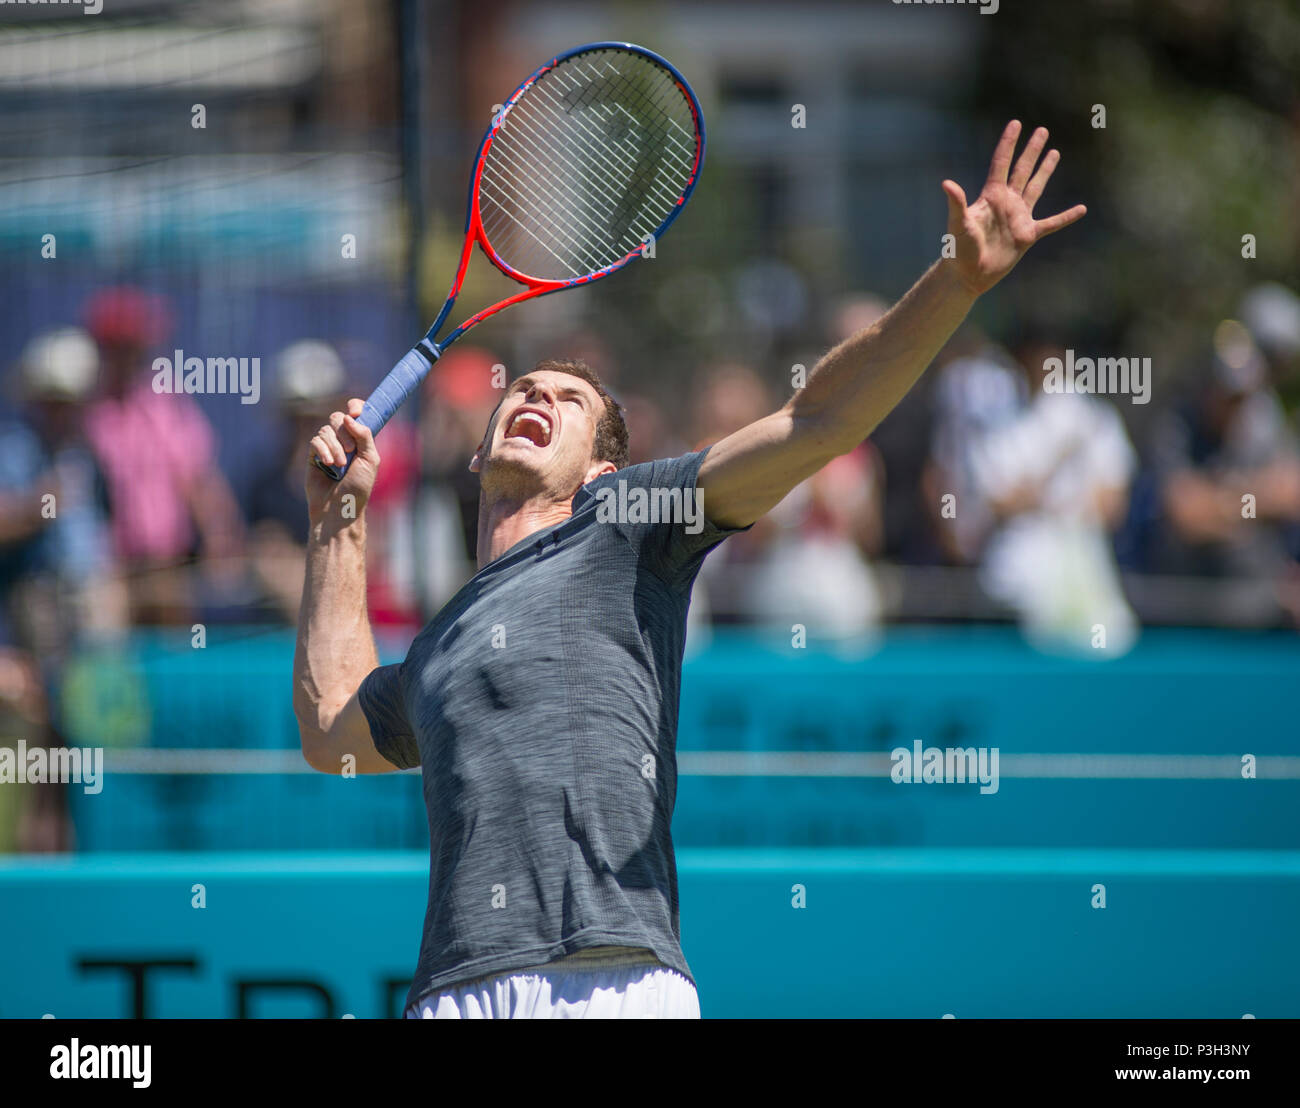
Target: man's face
[541, 437]
[119, 362]
[58, 416]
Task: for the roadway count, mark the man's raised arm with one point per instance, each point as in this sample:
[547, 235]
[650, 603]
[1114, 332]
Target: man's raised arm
[336, 648]
[861, 380]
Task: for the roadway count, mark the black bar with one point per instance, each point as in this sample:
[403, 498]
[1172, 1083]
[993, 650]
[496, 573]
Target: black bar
[918, 1058]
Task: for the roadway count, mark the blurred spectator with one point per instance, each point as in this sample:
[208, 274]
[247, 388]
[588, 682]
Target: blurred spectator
[812, 549]
[169, 501]
[805, 561]
[33, 816]
[973, 397]
[1271, 313]
[1056, 479]
[902, 440]
[309, 384]
[56, 572]
[1232, 441]
[56, 568]
[650, 436]
[729, 395]
[815, 544]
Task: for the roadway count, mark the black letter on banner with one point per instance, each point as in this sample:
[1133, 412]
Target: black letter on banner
[137, 968]
[392, 997]
[244, 988]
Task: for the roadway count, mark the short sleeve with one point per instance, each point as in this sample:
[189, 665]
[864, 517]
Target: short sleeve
[661, 512]
[381, 700]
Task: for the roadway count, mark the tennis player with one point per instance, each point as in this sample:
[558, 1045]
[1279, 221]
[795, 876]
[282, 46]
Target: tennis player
[541, 702]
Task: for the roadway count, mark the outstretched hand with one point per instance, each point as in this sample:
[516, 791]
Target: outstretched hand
[993, 233]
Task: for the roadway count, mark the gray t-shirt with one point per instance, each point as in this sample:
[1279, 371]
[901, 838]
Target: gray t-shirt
[541, 704]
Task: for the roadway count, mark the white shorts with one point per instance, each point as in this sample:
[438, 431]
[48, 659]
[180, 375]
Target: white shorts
[646, 991]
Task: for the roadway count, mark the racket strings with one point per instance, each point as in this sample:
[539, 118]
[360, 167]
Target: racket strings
[636, 98]
[507, 183]
[587, 163]
[567, 166]
[579, 157]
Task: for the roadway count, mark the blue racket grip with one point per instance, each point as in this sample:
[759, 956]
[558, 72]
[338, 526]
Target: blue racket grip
[402, 380]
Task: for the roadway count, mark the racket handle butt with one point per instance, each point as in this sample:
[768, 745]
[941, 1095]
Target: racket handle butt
[334, 473]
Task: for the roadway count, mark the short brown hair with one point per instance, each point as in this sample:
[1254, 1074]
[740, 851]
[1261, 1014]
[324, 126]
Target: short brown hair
[610, 444]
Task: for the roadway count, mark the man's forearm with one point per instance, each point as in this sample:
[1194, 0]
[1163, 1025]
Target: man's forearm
[861, 380]
[336, 648]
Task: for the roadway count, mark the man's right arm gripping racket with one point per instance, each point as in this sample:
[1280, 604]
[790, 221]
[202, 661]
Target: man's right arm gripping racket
[592, 158]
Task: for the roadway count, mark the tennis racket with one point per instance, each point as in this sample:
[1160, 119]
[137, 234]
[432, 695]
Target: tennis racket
[592, 158]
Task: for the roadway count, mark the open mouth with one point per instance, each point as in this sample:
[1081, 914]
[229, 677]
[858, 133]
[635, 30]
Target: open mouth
[532, 426]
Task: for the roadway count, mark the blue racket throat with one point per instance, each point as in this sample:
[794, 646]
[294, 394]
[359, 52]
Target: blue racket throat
[591, 159]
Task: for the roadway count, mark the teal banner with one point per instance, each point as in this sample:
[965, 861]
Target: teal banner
[911, 933]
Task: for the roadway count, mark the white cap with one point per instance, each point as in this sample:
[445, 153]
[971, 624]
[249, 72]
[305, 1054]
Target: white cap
[60, 365]
[1272, 314]
[309, 370]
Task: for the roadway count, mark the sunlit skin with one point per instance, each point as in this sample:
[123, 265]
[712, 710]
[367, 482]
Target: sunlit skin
[528, 487]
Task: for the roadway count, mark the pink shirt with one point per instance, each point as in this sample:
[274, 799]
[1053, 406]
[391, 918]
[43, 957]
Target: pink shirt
[151, 447]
